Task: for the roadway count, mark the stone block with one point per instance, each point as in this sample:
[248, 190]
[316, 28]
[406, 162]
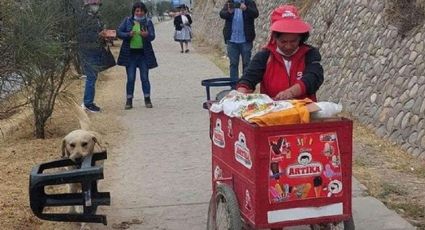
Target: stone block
[398, 118]
[405, 121]
[413, 55]
[416, 152]
[419, 47]
[421, 80]
[390, 124]
[412, 138]
[418, 37]
[422, 109]
[409, 104]
[413, 90]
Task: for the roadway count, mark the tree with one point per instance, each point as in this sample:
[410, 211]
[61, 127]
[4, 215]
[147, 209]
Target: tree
[113, 12]
[37, 48]
[42, 46]
[163, 6]
[9, 81]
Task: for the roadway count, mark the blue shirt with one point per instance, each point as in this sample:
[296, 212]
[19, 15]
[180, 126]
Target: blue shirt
[238, 33]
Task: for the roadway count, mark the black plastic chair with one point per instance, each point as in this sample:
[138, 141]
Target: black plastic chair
[87, 174]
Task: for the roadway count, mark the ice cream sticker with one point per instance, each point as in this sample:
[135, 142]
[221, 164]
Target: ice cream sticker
[304, 166]
[280, 148]
[334, 187]
[242, 154]
[218, 135]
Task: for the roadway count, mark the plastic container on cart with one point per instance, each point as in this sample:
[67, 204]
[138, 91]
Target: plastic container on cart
[278, 176]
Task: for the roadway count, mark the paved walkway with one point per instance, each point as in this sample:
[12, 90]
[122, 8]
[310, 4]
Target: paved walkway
[161, 174]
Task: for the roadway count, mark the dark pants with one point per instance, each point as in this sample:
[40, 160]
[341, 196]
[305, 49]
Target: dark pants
[137, 61]
[90, 87]
[234, 50]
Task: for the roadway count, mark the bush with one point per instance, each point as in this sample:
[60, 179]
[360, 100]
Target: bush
[404, 14]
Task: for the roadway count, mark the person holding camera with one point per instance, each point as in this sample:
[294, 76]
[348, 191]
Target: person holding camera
[239, 32]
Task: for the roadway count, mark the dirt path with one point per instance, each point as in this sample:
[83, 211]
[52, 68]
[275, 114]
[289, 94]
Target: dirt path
[159, 173]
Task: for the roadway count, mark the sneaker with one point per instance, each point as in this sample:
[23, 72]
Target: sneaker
[186, 51]
[91, 108]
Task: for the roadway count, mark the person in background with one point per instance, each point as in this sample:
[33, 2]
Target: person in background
[137, 32]
[183, 33]
[239, 32]
[91, 42]
[286, 67]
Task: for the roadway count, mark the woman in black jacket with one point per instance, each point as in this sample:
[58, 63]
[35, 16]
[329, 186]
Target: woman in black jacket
[183, 33]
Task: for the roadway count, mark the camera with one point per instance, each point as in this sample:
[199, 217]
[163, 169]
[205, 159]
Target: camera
[235, 5]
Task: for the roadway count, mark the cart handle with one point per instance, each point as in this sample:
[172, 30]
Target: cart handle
[217, 82]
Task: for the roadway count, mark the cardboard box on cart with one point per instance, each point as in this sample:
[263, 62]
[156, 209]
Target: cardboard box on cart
[285, 175]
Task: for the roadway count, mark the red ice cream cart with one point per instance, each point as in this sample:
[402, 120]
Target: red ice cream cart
[277, 176]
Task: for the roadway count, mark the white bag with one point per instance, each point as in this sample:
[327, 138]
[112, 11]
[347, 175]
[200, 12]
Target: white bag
[327, 110]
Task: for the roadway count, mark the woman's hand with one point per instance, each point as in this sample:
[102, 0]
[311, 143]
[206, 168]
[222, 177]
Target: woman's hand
[243, 90]
[144, 33]
[131, 33]
[284, 95]
[102, 33]
[243, 6]
[290, 93]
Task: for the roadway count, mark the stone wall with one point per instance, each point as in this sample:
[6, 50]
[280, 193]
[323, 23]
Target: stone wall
[376, 72]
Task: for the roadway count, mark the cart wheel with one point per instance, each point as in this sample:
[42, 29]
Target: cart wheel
[223, 211]
[344, 225]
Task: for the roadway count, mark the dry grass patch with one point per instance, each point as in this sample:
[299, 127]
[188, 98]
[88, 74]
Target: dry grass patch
[19, 151]
[390, 174]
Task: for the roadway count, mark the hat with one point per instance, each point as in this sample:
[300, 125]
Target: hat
[92, 2]
[286, 19]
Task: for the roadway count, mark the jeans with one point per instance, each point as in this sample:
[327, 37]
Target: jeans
[234, 50]
[137, 61]
[89, 90]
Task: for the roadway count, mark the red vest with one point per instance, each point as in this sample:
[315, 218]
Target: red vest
[276, 77]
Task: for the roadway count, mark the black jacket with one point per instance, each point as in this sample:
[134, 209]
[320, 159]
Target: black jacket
[178, 21]
[249, 15]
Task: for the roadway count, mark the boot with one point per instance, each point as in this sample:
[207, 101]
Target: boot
[129, 103]
[148, 102]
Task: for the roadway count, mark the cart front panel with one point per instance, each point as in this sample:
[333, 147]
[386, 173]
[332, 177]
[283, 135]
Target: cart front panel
[286, 175]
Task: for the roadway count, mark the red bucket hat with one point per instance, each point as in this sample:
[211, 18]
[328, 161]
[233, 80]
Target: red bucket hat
[286, 19]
